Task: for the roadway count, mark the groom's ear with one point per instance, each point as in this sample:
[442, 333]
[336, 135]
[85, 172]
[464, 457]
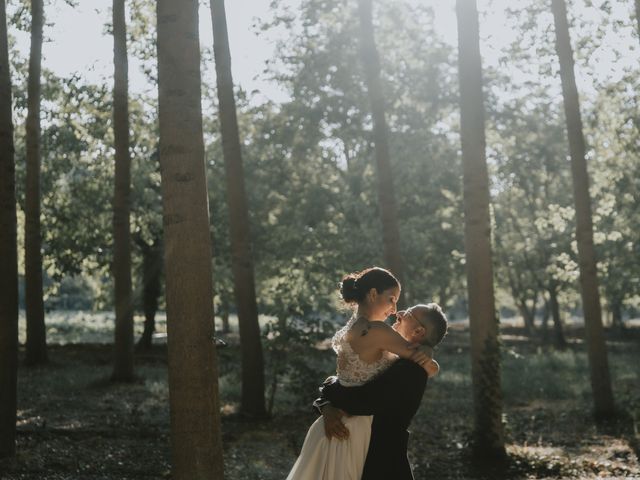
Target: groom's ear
[372, 295]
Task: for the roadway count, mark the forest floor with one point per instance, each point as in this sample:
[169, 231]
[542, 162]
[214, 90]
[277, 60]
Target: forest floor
[74, 424]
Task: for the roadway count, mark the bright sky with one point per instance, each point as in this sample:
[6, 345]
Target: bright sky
[77, 42]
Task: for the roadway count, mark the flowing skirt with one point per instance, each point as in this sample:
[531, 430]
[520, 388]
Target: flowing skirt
[324, 459]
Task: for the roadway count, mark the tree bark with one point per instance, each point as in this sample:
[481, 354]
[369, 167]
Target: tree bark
[527, 315]
[386, 194]
[485, 352]
[637, 2]
[151, 288]
[252, 397]
[558, 332]
[9, 256]
[520, 297]
[224, 313]
[196, 442]
[596, 346]
[544, 329]
[36, 330]
[123, 340]
[616, 315]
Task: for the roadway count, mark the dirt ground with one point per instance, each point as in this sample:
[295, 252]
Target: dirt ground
[75, 424]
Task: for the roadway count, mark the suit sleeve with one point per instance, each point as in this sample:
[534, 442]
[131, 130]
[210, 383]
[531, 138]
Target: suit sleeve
[403, 383]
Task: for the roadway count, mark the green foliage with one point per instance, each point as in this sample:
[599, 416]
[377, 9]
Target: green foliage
[533, 206]
[309, 161]
[614, 135]
[295, 366]
[329, 111]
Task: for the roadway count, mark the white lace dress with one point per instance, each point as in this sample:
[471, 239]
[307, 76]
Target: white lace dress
[324, 459]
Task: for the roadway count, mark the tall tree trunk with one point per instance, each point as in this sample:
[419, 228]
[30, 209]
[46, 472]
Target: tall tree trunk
[123, 341]
[151, 287]
[596, 346]
[616, 315]
[36, 331]
[545, 320]
[558, 332]
[252, 397]
[527, 316]
[638, 16]
[196, 441]
[386, 195]
[443, 296]
[485, 350]
[9, 256]
[224, 313]
[520, 297]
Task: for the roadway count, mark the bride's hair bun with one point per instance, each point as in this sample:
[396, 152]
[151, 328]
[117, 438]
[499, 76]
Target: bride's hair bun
[354, 287]
[349, 289]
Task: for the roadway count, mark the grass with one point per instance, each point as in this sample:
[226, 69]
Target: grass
[75, 424]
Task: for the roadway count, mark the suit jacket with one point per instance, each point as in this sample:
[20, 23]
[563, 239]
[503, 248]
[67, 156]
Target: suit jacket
[393, 399]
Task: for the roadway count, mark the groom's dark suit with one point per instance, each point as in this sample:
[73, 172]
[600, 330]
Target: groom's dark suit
[393, 399]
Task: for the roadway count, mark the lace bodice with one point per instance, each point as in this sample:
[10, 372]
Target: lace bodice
[351, 370]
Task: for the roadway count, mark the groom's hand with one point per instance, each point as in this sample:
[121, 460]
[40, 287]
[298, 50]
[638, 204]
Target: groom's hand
[333, 426]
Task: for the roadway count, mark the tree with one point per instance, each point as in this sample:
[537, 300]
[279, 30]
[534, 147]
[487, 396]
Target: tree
[36, 330]
[323, 138]
[613, 131]
[151, 285]
[532, 207]
[596, 347]
[123, 342]
[386, 195]
[9, 255]
[196, 442]
[637, 2]
[252, 401]
[485, 351]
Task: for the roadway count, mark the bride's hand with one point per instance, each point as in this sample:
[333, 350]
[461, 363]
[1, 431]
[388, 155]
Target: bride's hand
[333, 426]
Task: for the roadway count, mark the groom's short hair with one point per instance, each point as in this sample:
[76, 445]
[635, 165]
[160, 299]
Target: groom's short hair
[435, 322]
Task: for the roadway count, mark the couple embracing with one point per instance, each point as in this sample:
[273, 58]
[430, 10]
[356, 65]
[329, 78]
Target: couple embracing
[382, 372]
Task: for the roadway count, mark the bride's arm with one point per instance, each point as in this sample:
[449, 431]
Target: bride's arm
[402, 382]
[383, 337]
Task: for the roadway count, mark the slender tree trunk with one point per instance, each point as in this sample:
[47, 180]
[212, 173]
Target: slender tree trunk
[527, 316]
[558, 332]
[224, 313]
[530, 319]
[196, 441]
[36, 331]
[596, 346]
[616, 315]
[443, 296]
[123, 341]
[520, 297]
[386, 195]
[637, 2]
[9, 256]
[252, 397]
[545, 321]
[151, 287]
[485, 351]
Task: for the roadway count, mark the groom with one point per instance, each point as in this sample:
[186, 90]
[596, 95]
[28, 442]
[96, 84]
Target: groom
[392, 398]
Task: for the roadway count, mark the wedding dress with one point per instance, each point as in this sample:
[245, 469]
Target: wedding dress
[332, 459]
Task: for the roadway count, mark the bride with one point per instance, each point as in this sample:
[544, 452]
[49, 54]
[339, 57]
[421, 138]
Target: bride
[365, 347]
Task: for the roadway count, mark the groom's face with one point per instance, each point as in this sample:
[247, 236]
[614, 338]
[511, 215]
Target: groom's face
[411, 325]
